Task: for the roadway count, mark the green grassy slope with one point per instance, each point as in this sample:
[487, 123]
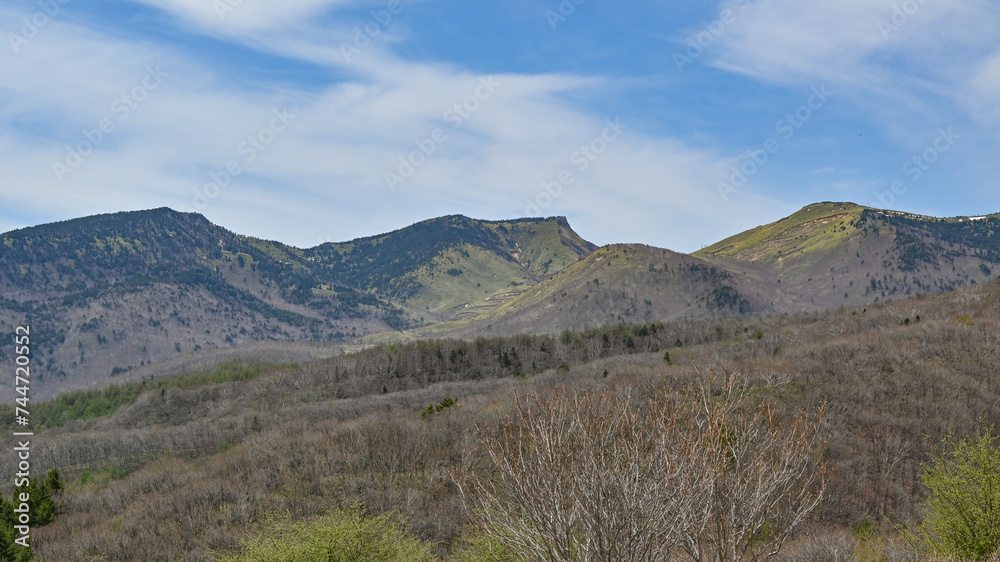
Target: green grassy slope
[825, 255]
[464, 277]
[830, 254]
[449, 264]
[818, 228]
[627, 283]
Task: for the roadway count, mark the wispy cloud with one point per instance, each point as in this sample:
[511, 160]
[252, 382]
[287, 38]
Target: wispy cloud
[360, 106]
[902, 70]
[245, 15]
[322, 176]
[901, 58]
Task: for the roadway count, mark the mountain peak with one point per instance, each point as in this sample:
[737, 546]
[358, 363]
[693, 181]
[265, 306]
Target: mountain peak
[844, 253]
[105, 220]
[804, 229]
[454, 264]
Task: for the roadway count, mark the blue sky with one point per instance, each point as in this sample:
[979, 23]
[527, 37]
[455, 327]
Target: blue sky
[673, 124]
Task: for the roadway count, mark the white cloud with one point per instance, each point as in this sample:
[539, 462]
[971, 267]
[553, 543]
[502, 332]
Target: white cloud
[983, 98]
[864, 43]
[908, 61]
[908, 66]
[322, 176]
[245, 14]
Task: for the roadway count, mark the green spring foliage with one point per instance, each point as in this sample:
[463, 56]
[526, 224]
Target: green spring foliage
[344, 536]
[480, 547]
[83, 405]
[473, 359]
[963, 511]
[89, 404]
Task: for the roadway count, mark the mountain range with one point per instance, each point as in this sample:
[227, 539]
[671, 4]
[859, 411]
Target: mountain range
[127, 295]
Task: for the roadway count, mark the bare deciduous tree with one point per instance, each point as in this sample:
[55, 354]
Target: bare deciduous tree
[765, 475]
[582, 477]
[700, 472]
[594, 346]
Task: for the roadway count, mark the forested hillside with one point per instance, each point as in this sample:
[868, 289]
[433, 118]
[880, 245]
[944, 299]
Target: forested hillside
[132, 295]
[392, 430]
[118, 295]
[114, 293]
